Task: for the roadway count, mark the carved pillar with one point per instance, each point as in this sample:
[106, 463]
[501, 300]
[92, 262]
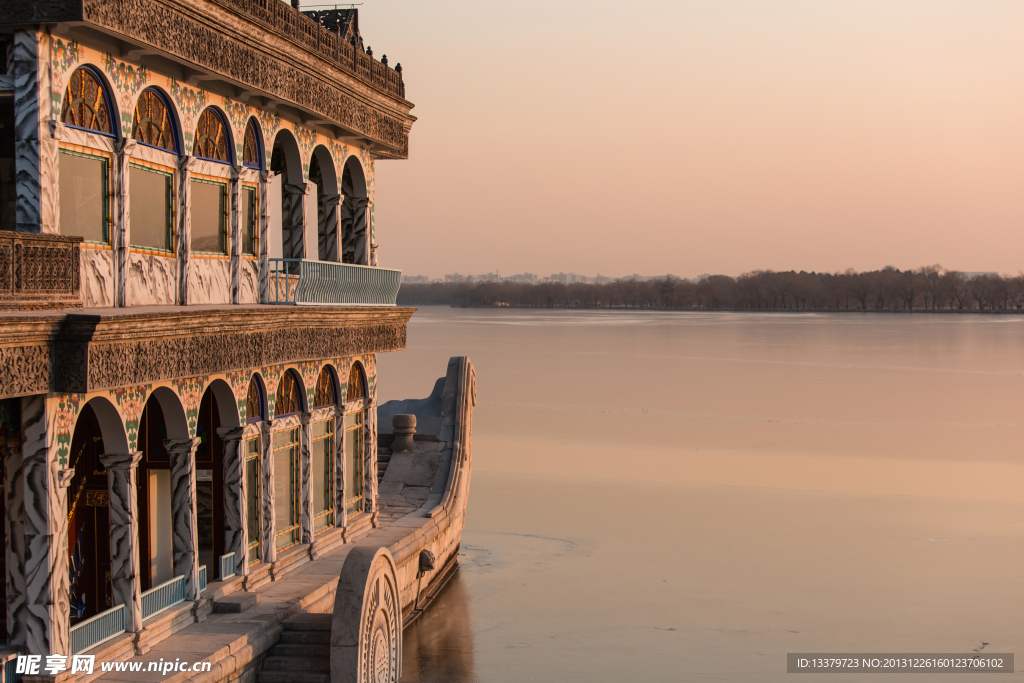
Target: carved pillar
[119, 239]
[35, 151]
[305, 481]
[235, 232]
[236, 513]
[46, 543]
[183, 248]
[267, 499]
[339, 466]
[370, 458]
[122, 475]
[264, 228]
[183, 512]
[293, 225]
[327, 230]
[14, 518]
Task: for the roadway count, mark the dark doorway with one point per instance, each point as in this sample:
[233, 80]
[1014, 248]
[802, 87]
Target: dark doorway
[156, 563]
[88, 522]
[210, 485]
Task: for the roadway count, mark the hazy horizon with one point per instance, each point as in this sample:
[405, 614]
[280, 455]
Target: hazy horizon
[719, 136]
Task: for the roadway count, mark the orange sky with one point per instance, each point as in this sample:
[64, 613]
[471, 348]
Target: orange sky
[715, 136]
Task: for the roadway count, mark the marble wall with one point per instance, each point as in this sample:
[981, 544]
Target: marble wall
[152, 279]
[209, 280]
[249, 282]
[98, 286]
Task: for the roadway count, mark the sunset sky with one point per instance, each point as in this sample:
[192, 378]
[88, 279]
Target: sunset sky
[710, 136]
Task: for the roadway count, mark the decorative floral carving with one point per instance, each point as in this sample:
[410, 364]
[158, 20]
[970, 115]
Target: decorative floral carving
[238, 115]
[343, 366]
[306, 140]
[190, 391]
[128, 81]
[239, 382]
[190, 103]
[64, 57]
[130, 402]
[67, 411]
[270, 123]
[310, 371]
[271, 378]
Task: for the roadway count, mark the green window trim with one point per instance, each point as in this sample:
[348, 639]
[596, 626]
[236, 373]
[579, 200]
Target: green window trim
[171, 237]
[108, 193]
[323, 437]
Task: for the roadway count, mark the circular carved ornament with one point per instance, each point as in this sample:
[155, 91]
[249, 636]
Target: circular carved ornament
[382, 627]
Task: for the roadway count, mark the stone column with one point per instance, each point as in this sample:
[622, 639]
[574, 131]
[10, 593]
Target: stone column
[361, 224]
[14, 500]
[235, 232]
[35, 151]
[264, 228]
[183, 512]
[293, 226]
[339, 465]
[370, 458]
[183, 248]
[122, 475]
[121, 233]
[236, 513]
[306, 480]
[267, 499]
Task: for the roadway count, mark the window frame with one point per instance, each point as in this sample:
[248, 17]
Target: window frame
[108, 208]
[225, 215]
[356, 408]
[144, 165]
[257, 543]
[295, 446]
[330, 494]
[112, 112]
[244, 188]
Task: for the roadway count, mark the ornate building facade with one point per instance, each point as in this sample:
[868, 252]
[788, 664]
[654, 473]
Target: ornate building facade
[181, 180]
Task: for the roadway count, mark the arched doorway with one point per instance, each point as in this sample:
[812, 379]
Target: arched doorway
[322, 173]
[98, 431]
[215, 412]
[354, 224]
[163, 419]
[286, 161]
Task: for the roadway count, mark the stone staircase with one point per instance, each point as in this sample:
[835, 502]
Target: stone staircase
[303, 654]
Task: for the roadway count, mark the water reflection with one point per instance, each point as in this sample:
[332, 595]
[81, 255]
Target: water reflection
[438, 647]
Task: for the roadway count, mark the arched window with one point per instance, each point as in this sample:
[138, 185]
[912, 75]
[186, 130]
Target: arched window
[84, 177]
[211, 139]
[287, 400]
[254, 401]
[322, 455]
[355, 451]
[152, 124]
[151, 189]
[252, 151]
[86, 104]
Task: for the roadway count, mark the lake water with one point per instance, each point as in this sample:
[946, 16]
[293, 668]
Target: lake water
[690, 496]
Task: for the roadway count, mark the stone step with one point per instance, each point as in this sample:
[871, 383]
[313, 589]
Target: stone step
[273, 663]
[293, 677]
[306, 637]
[308, 622]
[236, 602]
[301, 650]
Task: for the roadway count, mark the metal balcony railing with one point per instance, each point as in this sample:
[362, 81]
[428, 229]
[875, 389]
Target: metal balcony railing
[301, 281]
[164, 596]
[202, 578]
[227, 566]
[97, 629]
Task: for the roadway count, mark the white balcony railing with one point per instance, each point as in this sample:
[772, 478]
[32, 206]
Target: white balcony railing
[97, 629]
[159, 598]
[301, 281]
[227, 566]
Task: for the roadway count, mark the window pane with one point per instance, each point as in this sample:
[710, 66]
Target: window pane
[286, 487]
[252, 490]
[353, 470]
[150, 207]
[208, 219]
[248, 217]
[83, 196]
[321, 455]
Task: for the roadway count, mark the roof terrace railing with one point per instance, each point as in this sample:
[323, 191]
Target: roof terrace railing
[291, 22]
[301, 281]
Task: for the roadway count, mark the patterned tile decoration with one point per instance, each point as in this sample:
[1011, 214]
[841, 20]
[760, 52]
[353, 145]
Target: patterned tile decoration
[239, 382]
[64, 58]
[130, 401]
[310, 372]
[128, 81]
[339, 152]
[238, 115]
[67, 411]
[190, 102]
[190, 391]
[271, 378]
[306, 139]
[343, 366]
[270, 123]
[370, 365]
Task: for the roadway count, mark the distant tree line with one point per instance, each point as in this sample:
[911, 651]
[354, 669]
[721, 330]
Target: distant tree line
[929, 288]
